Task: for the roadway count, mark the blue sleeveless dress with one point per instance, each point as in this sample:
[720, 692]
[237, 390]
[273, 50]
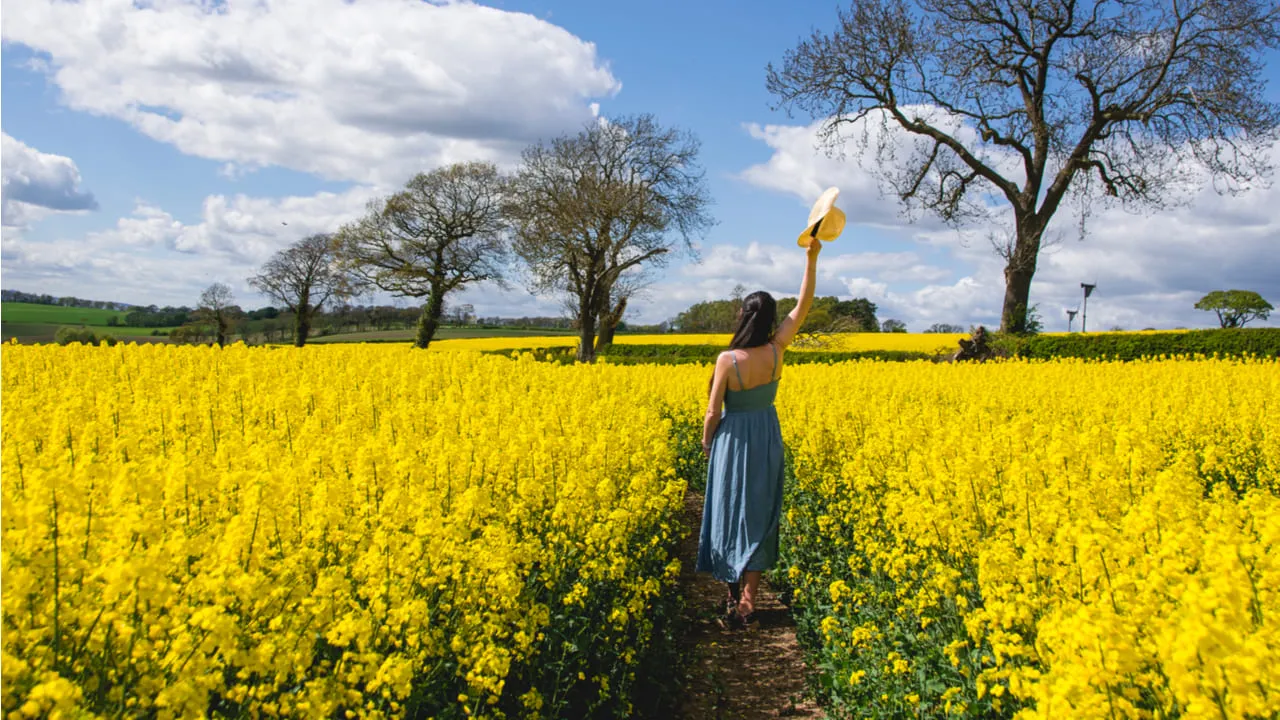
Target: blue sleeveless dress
[744, 484]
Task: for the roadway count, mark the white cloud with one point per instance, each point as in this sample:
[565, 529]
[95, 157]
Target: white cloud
[802, 165]
[36, 184]
[964, 302]
[778, 270]
[1150, 268]
[797, 167]
[369, 91]
[151, 257]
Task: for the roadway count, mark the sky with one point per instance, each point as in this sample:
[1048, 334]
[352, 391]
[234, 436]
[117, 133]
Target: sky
[153, 148]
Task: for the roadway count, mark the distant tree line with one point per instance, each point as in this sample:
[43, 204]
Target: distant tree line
[62, 301]
[152, 316]
[828, 314]
[274, 323]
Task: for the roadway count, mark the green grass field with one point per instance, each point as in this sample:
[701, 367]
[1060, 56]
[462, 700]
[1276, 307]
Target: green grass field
[39, 323]
[30, 313]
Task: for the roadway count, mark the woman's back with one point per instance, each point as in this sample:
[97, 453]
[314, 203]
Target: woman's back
[754, 367]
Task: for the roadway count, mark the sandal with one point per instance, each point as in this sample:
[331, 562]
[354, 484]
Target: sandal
[734, 620]
[731, 620]
[727, 620]
[730, 602]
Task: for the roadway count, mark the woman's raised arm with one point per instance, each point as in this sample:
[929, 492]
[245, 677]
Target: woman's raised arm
[792, 322]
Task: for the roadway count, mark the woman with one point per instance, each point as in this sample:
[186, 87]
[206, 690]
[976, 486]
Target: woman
[739, 537]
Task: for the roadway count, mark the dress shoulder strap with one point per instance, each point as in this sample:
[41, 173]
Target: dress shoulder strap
[737, 372]
[774, 372]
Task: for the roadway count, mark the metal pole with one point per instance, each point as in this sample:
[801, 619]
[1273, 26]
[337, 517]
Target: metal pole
[1084, 310]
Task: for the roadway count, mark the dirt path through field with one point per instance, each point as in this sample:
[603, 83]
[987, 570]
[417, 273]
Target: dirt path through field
[736, 675]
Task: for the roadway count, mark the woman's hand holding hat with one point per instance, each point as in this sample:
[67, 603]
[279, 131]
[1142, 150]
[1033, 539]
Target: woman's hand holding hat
[811, 252]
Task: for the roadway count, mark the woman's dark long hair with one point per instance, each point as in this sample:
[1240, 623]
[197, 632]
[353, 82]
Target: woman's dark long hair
[755, 321]
[755, 324]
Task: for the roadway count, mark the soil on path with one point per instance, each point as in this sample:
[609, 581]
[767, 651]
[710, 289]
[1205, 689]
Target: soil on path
[736, 675]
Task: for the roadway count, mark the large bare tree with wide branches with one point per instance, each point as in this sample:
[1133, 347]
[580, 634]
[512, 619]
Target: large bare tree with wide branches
[593, 209]
[444, 231]
[1032, 102]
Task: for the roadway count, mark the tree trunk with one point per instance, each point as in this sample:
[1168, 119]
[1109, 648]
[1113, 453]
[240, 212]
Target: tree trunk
[429, 320]
[587, 330]
[301, 322]
[1018, 272]
[605, 338]
[609, 324]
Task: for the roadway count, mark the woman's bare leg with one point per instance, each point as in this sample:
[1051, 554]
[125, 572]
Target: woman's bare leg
[750, 584]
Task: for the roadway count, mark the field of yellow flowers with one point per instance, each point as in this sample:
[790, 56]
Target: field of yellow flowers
[373, 531]
[316, 532]
[1039, 540]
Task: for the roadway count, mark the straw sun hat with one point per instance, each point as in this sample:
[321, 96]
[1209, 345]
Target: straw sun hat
[826, 221]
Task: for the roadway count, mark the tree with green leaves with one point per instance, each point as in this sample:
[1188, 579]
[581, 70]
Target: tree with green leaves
[860, 312]
[1235, 308]
[1029, 104]
[893, 325]
[443, 232]
[830, 314]
[711, 316]
[1034, 324]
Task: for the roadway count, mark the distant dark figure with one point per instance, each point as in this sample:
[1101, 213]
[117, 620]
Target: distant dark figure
[975, 348]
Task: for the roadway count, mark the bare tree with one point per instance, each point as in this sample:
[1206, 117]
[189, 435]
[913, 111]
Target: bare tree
[590, 207]
[460, 314]
[735, 296]
[1028, 101]
[216, 309]
[442, 232]
[303, 278]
